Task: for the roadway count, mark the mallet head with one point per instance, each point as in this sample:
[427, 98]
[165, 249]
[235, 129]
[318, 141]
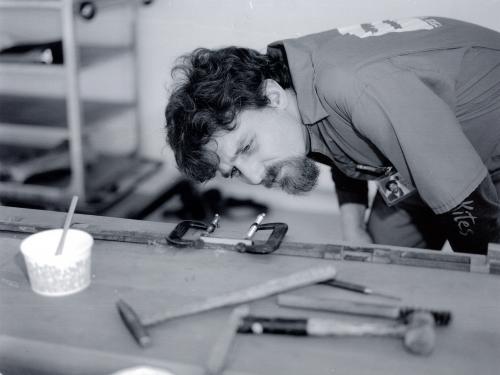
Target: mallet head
[420, 337]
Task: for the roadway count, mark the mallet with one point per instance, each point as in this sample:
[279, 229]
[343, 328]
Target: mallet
[441, 317]
[418, 333]
[138, 326]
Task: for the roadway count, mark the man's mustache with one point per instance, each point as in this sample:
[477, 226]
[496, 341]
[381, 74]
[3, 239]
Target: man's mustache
[271, 175]
[301, 182]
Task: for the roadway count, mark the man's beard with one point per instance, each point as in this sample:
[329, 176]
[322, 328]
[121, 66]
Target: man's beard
[300, 175]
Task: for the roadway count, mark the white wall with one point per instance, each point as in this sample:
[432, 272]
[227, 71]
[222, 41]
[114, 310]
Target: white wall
[169, 28]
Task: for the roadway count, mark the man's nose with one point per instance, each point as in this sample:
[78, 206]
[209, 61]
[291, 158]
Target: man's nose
[252, 173]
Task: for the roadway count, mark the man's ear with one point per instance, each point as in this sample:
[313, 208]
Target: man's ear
[275, 93]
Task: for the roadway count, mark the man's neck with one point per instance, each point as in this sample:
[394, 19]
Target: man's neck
[293, 110]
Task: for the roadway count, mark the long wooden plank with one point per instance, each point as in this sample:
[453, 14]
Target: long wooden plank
[137, 231]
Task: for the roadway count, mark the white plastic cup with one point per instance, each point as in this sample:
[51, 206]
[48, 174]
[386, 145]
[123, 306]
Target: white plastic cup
[58, 275]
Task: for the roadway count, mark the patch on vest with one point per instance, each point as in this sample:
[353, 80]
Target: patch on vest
[365, 30]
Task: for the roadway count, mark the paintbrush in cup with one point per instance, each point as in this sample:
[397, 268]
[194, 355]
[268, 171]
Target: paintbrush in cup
[67, 222]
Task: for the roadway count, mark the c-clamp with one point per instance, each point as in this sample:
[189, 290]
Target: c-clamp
[244, 245]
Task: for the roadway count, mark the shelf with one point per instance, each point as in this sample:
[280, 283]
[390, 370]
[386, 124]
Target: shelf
[21, 164]
[89, 56]
[52, 4]
[36, 4]
[109, 179]
[50, 113]
[35, 117]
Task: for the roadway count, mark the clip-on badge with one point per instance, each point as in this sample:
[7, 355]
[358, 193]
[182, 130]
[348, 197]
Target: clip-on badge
[394, 188]
[176, 237]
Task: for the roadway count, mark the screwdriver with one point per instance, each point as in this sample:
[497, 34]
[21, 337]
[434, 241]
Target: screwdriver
[357, 288]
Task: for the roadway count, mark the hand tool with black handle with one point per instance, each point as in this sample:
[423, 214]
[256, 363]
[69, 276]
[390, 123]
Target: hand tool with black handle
[418, 333]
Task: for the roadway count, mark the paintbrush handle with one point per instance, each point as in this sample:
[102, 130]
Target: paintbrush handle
[268, 288]
[67, 223]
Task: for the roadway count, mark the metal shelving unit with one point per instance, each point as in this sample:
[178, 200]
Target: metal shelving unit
[70, 117]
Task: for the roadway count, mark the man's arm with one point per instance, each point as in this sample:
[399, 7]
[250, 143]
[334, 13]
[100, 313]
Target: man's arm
[476, 221]
[418, 131]
[352, 217]
[353, 200]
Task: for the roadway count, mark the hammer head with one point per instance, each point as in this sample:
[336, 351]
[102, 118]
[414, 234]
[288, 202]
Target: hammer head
[420, 337]
[133, 323]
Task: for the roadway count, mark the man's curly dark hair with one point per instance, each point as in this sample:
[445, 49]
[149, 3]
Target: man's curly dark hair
[214, 87]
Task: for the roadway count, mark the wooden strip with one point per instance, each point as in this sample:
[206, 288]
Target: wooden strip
[117, 229]
[437, 256]
[433, 264]
[479, 264]
[357, 257]
[494, 251]
[495, 267]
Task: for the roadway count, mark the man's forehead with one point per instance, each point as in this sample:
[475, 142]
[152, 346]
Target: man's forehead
[224, 144]
[230, 137]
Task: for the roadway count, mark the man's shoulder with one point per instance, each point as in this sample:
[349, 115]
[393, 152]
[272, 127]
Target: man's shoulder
[338, 82]
[366, 42]
[338, 73]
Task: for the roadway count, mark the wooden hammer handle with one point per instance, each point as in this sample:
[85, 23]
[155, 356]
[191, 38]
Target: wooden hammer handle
[268, 288]
[327, 327]
[220, 349]
[340, 306]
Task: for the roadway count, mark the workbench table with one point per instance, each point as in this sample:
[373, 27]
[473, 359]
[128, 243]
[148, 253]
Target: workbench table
[83, 333]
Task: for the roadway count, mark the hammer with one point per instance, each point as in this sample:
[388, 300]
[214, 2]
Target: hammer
[418, 333]
[138, 326]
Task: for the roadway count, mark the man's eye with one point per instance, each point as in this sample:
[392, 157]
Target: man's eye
[247, 148]
[235, 172]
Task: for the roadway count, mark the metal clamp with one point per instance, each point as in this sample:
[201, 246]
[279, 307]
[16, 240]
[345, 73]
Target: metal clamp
[244, 245]
[176, 236]
[273, 242]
